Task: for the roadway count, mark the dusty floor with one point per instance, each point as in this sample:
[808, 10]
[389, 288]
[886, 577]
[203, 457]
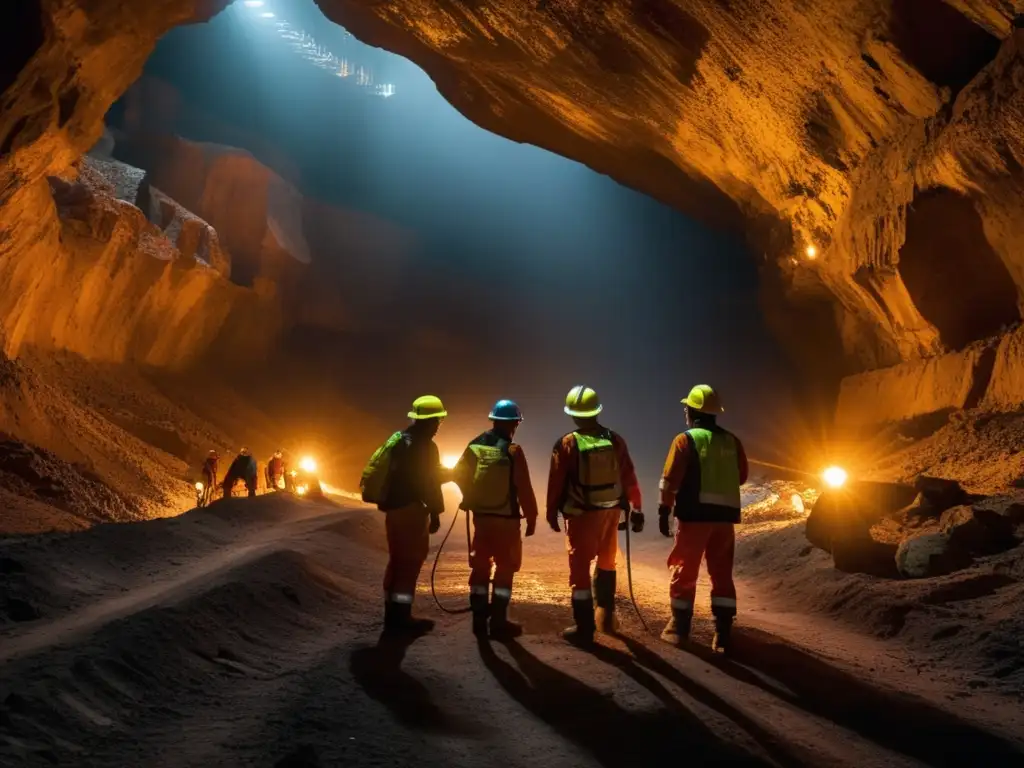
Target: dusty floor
[247, 634]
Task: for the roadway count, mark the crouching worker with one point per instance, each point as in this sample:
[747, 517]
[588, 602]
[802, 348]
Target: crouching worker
[592, 482]
[242, 468]
[700, 486]
[403, 478]
[495, 483]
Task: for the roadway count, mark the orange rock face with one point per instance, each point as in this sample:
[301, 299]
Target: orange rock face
[857, 143]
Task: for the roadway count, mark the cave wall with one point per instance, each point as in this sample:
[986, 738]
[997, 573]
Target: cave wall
[803, 124]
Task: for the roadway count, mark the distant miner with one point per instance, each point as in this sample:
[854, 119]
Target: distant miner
[209, 472]
[403, 478]
[495, 482]
[242, 468]
[700, 485]
[592, 482]
[275, 471]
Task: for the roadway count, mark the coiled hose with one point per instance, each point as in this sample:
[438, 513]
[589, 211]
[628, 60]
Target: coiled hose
[437, 559]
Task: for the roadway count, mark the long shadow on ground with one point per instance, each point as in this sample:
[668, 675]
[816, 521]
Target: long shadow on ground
[614, 736]
[378, 670]
[897, 721]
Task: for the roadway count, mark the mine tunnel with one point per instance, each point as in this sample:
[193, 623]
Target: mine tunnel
[291, 289]
[955, 278]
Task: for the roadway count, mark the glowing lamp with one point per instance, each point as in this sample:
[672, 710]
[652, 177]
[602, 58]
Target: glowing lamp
[834, 477]
[199, 486]
[812, 252]
[301, 490]
[267, 15]
[253, 3]
[449, 460]
[308, 464]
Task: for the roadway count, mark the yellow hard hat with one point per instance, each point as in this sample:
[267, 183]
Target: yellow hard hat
[582, 402]
[704, 399]
[427, 407]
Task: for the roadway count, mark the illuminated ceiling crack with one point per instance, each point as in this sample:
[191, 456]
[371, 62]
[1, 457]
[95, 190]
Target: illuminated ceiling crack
[305, 45]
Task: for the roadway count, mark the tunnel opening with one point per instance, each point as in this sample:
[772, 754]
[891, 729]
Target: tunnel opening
[940, 42]
[418, 221]
[955, 278]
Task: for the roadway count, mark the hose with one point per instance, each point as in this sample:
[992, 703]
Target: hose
[437, 559]
[629, 576]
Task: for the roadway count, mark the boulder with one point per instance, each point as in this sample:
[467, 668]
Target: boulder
[848, 513]
[978, 530]
[939, 494]
[929, 553]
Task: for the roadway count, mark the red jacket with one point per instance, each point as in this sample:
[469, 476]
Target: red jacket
[565, 458]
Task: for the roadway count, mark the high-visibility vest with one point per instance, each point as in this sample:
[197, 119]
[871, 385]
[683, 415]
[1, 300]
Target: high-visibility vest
[711, 488]
[486, 468]
[597, 482]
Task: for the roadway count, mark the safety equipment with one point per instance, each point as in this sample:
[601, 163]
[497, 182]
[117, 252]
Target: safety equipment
[582, 633]
[481, 608]
[491, 490]
[714, 495]
[278, 454]
[677, 631]
[501, 627]
[211, 453]
[427, 407]
[243, 452]
[722, 641]
[633, 520]
[604, 597]
[694, 542]
[598, 483]
[583, 402]
[663, 521]
[552, 517]
[505, 410]
[374, 483]
[704, 399]
[398, 619]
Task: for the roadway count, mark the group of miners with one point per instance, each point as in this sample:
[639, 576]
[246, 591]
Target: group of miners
[592, 484]
[243, 469]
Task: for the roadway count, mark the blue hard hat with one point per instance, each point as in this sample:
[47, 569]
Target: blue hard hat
[505, 410]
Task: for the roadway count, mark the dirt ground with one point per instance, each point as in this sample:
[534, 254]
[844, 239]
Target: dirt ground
[248, 634]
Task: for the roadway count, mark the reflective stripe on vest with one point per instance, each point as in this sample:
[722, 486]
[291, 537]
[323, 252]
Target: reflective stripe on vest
[719, 467]
[597, 483]
[491, 490]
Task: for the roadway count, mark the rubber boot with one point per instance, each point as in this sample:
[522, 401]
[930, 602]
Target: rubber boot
[583, 633]
[478, 605]
[501, 627]
[677, 631]
[722, 642]
[402, 621]
[604, 596]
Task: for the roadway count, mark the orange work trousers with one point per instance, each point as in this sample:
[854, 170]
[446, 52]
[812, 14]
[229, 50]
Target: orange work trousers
[592, 534]
[408, 531]
[496, 540]
[694, 542]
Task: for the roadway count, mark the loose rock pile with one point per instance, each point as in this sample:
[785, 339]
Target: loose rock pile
[931, 528]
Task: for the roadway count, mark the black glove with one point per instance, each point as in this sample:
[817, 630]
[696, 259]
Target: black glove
[435, 522]
[663, 521]
[553, 521]
[531, 527]
[637, 518]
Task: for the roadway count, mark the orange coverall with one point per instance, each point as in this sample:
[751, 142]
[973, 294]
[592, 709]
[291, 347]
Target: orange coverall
[414, 494]
[695, 540]
[498, 539]
[594, 533]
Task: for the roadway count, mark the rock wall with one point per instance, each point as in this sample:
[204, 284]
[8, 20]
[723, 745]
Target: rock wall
[872, 150]
[103, 282]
